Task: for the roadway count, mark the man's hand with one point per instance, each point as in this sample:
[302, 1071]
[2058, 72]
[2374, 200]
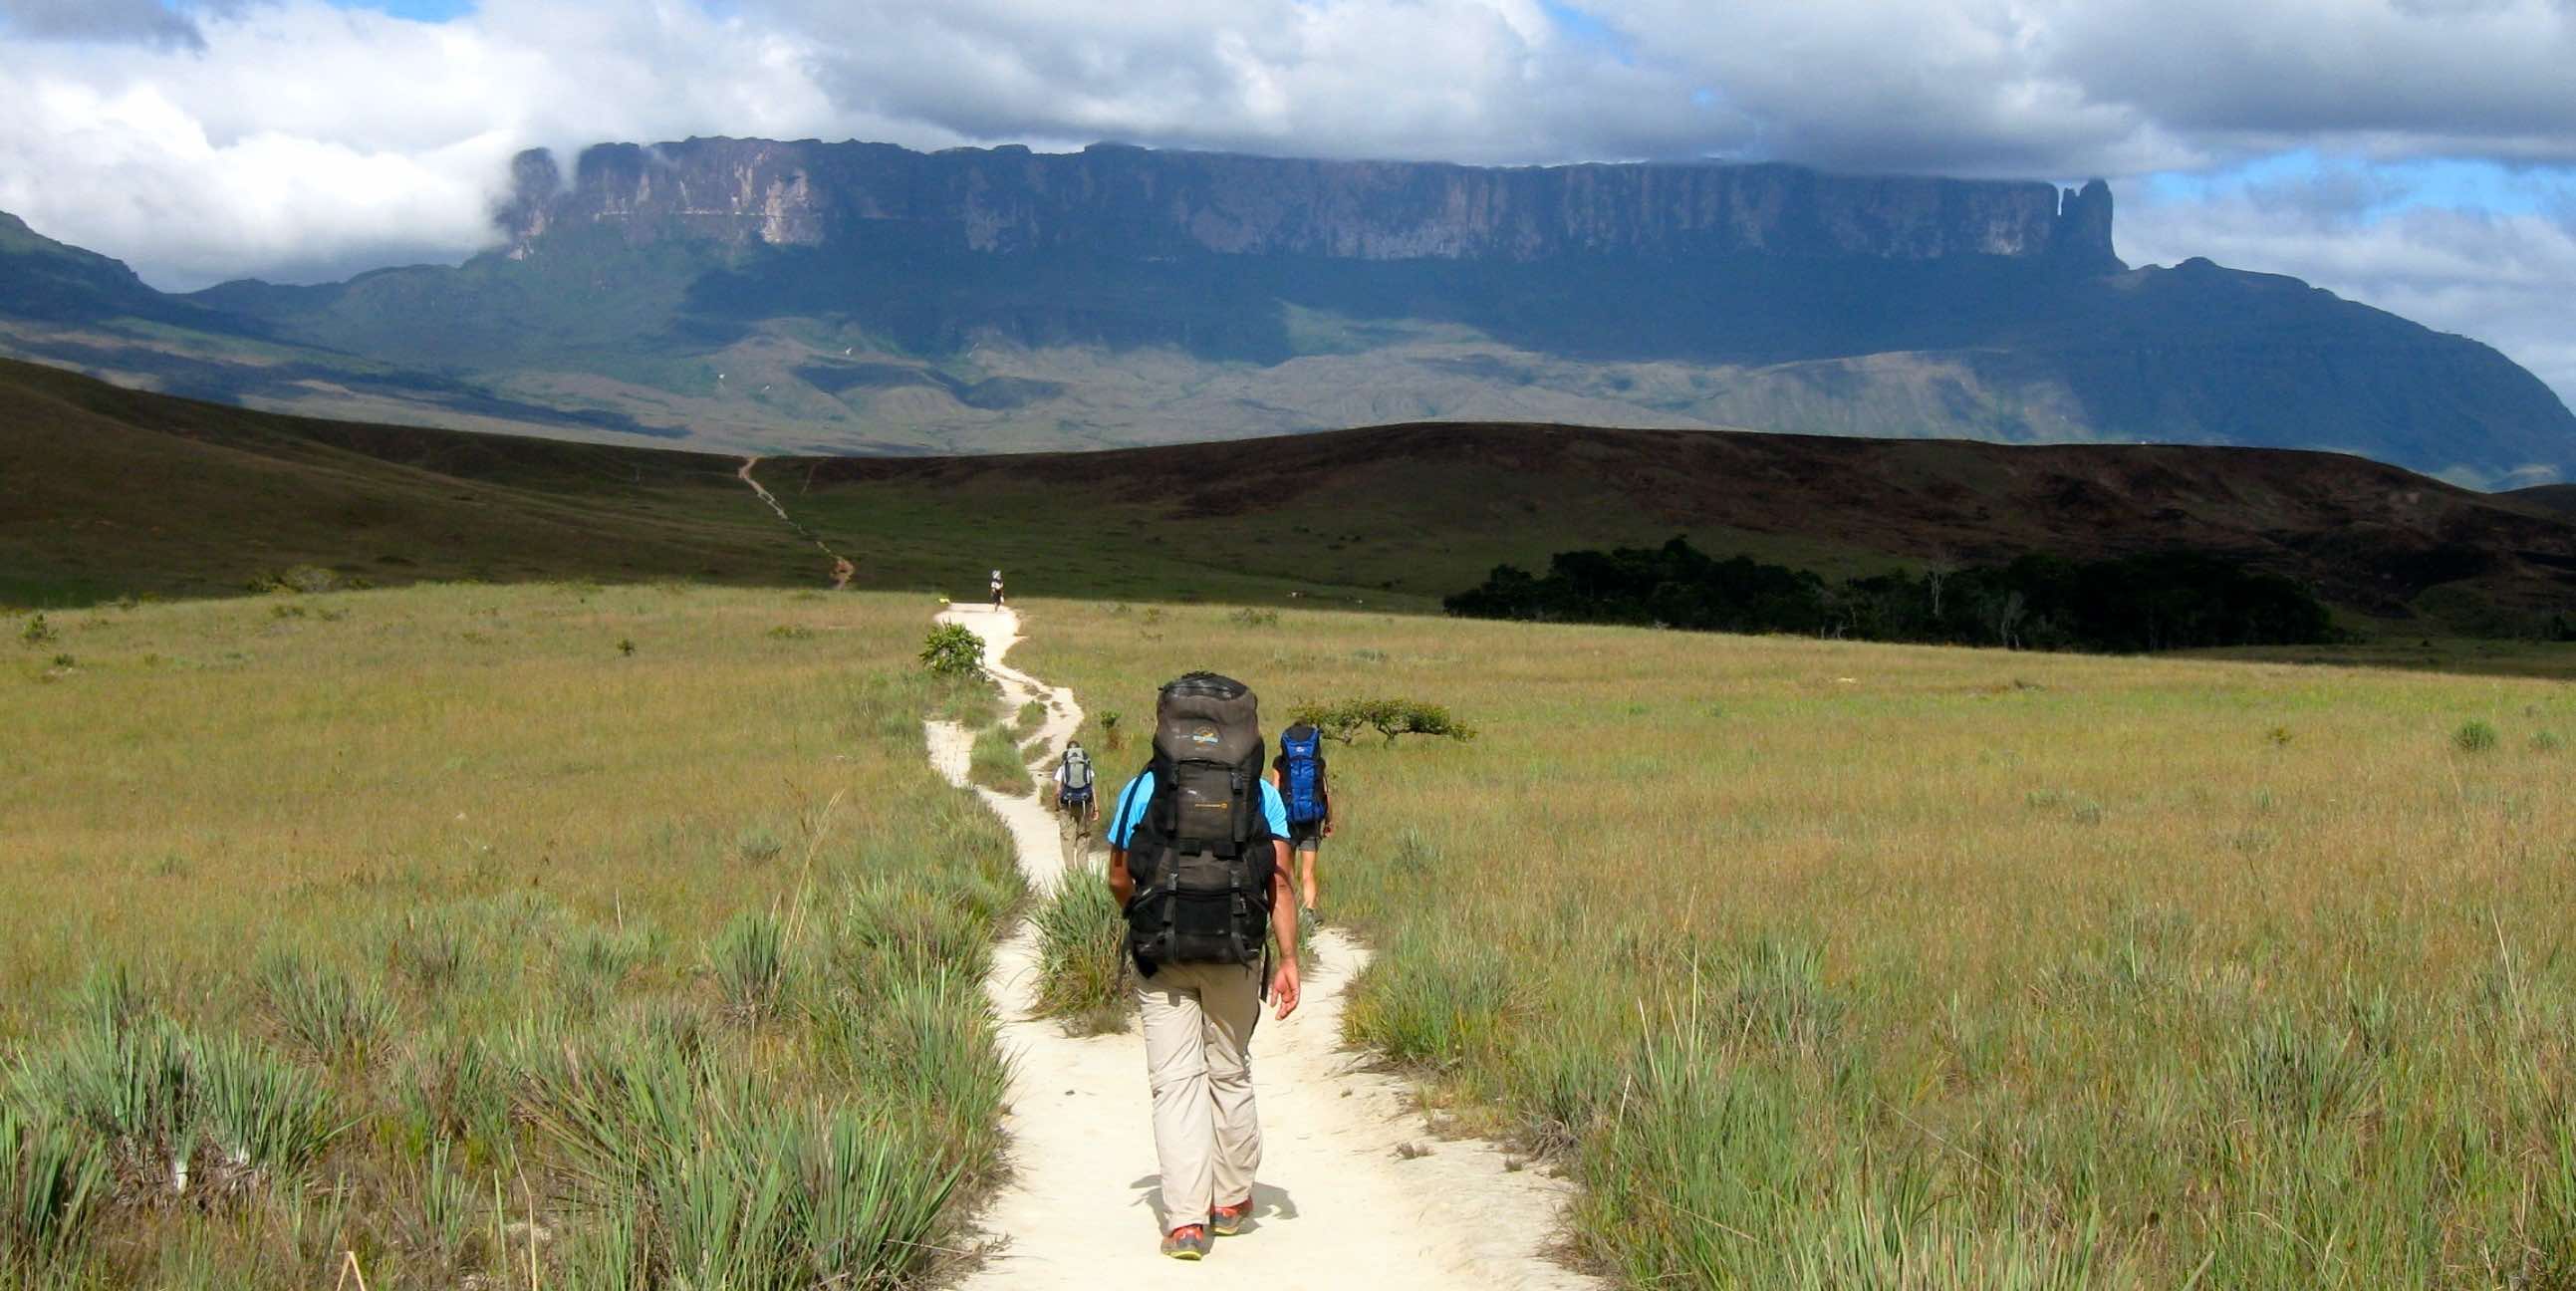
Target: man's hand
[1283, 987]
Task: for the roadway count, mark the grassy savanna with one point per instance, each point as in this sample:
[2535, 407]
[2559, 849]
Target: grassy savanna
[556, 935]
[1827, 965]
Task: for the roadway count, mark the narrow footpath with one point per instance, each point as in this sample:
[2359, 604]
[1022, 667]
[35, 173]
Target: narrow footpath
[843, 570]
[1338, 1206]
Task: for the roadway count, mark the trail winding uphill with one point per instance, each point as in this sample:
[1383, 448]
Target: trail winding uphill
[843, 569]
[1337, 1206]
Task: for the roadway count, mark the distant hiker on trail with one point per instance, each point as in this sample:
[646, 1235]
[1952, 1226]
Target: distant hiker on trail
[997, 589]
[1298, 772]
[1198, 856]
[1073, 791]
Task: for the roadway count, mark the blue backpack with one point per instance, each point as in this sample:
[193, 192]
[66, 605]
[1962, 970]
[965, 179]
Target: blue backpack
[1301, 779]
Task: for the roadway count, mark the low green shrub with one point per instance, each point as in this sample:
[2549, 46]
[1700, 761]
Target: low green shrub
[1391, 718]
[2473, 737]
[952, 650]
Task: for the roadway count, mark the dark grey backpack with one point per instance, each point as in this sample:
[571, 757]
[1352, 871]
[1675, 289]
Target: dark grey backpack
[1201, 855]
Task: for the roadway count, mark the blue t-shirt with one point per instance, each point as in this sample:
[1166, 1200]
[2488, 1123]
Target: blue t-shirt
[1140, 791]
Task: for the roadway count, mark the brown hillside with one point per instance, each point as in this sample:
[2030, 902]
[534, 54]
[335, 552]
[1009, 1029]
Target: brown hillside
[2369, 535]
[105, 491]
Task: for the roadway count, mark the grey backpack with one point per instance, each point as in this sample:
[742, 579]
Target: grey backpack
[1201, 854]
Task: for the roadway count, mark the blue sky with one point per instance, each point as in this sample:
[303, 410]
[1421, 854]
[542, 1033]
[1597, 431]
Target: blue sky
[422, 10]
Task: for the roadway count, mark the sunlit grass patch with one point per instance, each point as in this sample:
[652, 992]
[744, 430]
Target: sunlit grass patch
[1828, 965]
[386, 895]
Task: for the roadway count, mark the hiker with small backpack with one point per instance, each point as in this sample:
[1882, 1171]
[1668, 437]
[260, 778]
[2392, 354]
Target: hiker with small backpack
[1198, 858]
[997, 589]
[1073, 789]
[1299, 774]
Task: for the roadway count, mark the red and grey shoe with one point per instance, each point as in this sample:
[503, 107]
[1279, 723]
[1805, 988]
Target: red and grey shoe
[1187, 1242]
[1227, 1221]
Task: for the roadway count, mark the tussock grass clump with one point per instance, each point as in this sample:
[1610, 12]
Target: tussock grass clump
[323, 1008]
[690, 1173]
[52, 1182]
[890, 705]
[1082, 947]
[428, 947]
[995, 763]
[2474, 736]
[1033, 715]
[177, 1112]
[758, 845]
[748, 961]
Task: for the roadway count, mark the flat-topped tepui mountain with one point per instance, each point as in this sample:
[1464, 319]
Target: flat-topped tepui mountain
[864, 298]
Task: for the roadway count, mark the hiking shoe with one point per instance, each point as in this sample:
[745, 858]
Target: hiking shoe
[1187, 1242]
[1226, 1221]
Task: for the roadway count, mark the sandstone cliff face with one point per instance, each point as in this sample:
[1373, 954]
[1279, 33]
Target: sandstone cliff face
[1130, 200]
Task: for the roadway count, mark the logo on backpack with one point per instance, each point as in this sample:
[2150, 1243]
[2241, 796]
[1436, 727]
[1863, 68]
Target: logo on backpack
[1202, 883]
[1301, 779]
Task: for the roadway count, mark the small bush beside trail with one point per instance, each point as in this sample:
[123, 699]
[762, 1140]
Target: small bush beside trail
[1391, 718]
[952, 650]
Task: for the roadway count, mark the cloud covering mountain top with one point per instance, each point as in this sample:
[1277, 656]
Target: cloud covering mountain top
[300, 139]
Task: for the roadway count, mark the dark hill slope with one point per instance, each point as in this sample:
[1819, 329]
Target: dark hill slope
[2560, 498]
[1427, 507]
[105, 490]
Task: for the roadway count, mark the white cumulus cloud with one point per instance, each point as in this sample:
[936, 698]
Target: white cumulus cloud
[299, 140]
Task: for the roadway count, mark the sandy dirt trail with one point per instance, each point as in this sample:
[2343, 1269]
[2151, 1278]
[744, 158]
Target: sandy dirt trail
[1337, 1207]
[843, 570]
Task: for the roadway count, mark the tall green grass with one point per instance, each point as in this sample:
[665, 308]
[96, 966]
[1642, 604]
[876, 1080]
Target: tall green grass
[1082, 950]
[1823, 965]
[995, 762]
[597, 1044]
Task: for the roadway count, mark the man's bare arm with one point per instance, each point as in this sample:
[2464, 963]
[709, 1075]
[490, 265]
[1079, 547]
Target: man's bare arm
[1283, 925]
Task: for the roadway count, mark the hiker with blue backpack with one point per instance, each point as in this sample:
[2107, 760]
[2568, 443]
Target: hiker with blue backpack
[1198, 859]
[1299, 775]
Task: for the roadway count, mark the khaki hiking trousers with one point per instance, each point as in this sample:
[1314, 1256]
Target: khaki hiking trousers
[1198, 1021]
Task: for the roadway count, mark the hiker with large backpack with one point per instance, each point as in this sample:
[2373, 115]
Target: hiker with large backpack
[1198, 857]
[1299, 774]
[1073, 789]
